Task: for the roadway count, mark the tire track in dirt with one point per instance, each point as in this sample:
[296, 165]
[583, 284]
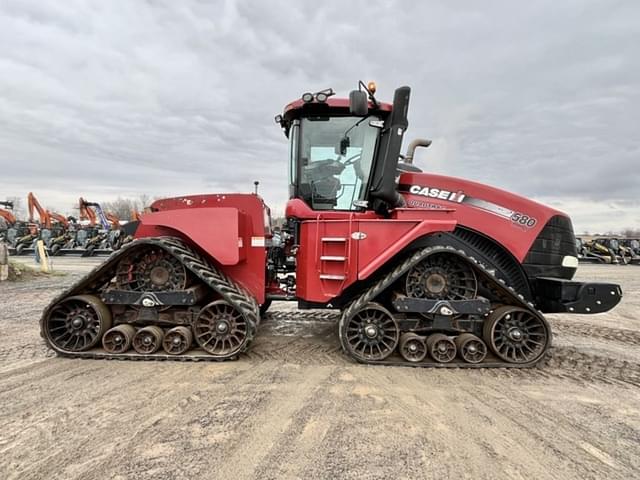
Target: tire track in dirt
[625, 336]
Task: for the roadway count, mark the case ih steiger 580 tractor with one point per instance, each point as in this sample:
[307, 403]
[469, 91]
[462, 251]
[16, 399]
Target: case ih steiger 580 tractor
[425, 269]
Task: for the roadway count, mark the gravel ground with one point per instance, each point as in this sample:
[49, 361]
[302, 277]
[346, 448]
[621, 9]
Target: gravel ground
[295, 407]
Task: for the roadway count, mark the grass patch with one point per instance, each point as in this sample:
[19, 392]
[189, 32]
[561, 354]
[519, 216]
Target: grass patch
[19, 271]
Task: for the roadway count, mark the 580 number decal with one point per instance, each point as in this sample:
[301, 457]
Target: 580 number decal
[524, 220]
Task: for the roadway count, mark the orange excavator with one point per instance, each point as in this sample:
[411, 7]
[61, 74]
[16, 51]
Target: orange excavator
[93, 212]
[61, 219]
[6, 212]
[7, 219]
[55, 225]
[47, 217]
[114, 220]
[34, 204]
[135, 215]
[86, 213]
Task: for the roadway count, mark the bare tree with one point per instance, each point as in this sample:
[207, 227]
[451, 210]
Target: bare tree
[144, 201]
[121, 207]
[631, 232]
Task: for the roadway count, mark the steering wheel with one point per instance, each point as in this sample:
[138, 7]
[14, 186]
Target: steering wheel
[352, 160]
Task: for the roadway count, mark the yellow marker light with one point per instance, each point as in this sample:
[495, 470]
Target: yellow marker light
[371, 86]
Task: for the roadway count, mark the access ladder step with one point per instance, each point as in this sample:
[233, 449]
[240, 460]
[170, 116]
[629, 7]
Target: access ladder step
[325, 276]
[332, 258]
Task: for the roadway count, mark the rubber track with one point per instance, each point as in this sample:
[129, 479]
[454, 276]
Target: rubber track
[100, 276]
[498, 287]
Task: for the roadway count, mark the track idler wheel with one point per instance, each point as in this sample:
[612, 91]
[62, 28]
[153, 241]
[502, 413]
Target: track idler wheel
[370, 334]
[441, 348]
[471, 349]
[118, 339]
[413, 347]
[516, 335]
[148, 340]
[177, 340]
[77, 323]
[220, 329]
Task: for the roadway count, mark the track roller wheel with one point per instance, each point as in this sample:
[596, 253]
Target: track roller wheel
[220, 329]
[471, 349]
[441, 348]
[118, 339]
[413, 347]
[177, 340]
[148, 340]
[370, 333]
[77, 323]
[516, 335]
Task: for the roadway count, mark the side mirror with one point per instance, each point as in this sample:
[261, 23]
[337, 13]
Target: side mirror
[358, 103]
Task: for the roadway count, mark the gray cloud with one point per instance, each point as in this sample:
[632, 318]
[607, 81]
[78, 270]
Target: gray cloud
[121, 98]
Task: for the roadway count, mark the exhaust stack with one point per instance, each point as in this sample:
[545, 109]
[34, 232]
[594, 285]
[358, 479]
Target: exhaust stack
[418, 142]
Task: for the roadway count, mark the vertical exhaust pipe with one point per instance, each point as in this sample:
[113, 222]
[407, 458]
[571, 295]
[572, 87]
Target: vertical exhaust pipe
[418, 142]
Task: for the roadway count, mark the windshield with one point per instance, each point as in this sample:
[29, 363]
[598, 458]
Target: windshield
[334, 160]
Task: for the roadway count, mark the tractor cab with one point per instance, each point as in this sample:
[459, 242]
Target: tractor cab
[343, 153]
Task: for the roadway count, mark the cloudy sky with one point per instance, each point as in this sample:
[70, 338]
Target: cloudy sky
[122, 98]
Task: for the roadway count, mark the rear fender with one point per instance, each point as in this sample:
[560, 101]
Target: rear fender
[220, 232]
[224, 234]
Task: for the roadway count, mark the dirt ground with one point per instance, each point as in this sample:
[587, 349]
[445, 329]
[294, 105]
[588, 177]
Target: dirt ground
[295, 407]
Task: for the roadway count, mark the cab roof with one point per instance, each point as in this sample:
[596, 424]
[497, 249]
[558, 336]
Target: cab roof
[339, 105]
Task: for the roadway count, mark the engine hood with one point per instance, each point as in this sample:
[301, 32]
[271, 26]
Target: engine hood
[510, 219]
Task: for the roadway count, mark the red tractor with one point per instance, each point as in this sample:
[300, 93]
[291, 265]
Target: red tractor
[425, 269]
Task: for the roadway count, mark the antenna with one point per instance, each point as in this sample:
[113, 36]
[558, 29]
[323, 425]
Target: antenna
[256, 183]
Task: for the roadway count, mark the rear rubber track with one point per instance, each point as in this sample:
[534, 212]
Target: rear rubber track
[99, 278]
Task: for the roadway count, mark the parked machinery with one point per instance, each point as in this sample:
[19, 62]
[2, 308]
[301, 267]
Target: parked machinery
[7, 219]
[633, 246]
[53, 227]
[622, 249]
[26, 235]
[595, 251]
[428, 270]
[61, 234]
[99, 227]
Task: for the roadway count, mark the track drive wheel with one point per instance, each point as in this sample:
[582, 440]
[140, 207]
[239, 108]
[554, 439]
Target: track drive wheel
[471, 348]
[151, 270]
[177, 340]
[413, 347]
[441, 348]
[118, 339]
[442, 276]
[77, 323]
[220, 329]
[516, 335]
[148, 340]
[370, 334]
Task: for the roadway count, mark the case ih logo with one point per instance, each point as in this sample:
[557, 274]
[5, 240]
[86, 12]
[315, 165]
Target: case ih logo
[437, 193]
[517, 218]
